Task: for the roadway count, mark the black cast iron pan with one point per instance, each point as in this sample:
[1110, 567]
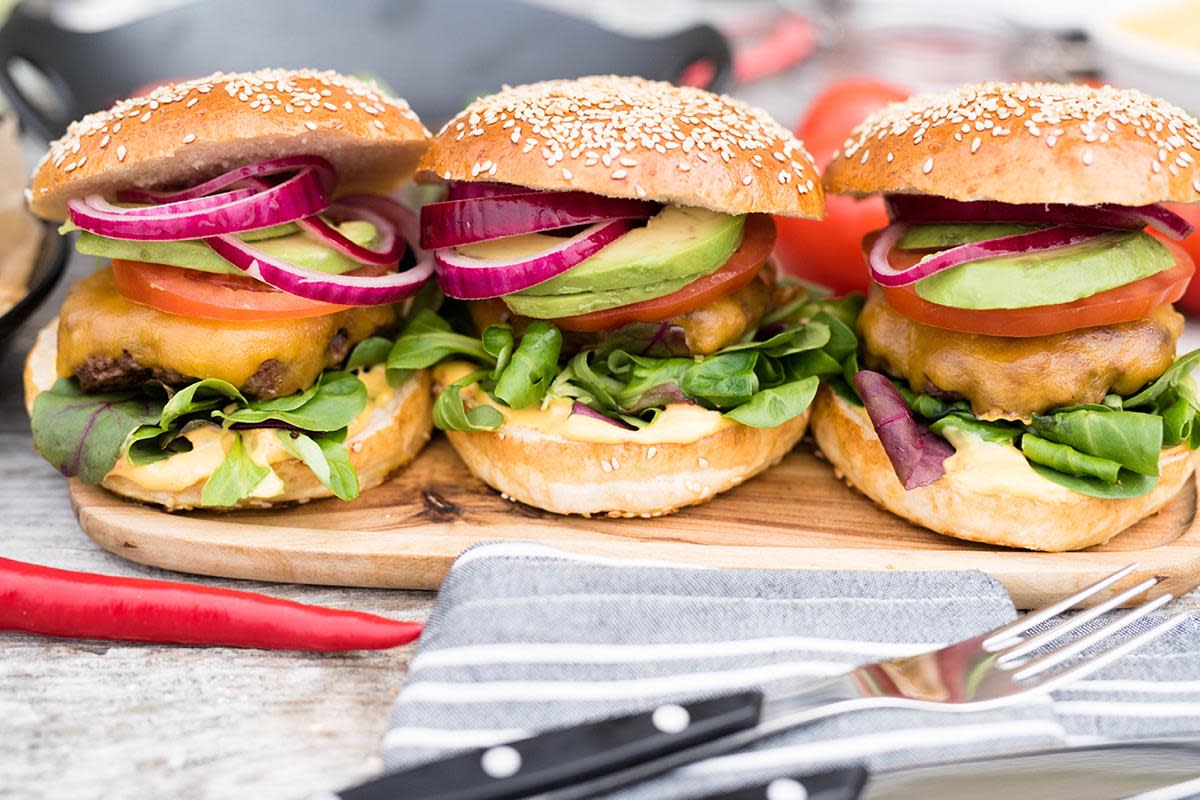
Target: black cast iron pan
[438, 54]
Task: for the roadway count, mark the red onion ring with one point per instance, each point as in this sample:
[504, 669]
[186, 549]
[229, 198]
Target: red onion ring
[198, 204]
[464, 190]
[387, 252]
[347, 290]
[916, 208]
[469, 278]
[262, 169]
[884, 274]
[480, 219]
[300, 196]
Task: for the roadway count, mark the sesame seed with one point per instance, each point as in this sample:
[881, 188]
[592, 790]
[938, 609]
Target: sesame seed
[1196, 184]
[378, 123]
[928, 167]
[191, 137]
[121, 152]
[312, 126]
[1094, 116]
[567, 174]
[261, 91]
[607, 122]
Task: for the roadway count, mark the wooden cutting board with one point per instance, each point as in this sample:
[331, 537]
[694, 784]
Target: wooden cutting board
[406, 533]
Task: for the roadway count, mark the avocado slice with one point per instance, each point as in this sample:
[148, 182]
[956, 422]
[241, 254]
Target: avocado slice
[293, 247]
[569, 305]
[951, 234]
[677, 243]
[1049, 277]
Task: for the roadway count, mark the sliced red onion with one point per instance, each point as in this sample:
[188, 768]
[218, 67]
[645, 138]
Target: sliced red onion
[883, 273]
[462, 190]
[388, 251]
[917, 453]
[262, 169]
[300, 196]
[481, 219]
[199, 204]
[584, 410]
[469, 278]
[917, 208]
[347, 290]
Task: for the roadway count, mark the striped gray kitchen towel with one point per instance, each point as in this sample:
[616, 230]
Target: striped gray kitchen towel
[525, 638]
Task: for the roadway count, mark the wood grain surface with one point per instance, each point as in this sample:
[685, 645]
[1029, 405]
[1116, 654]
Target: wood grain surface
[406, 533]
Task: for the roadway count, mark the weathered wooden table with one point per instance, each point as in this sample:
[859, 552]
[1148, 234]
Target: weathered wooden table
[85, 720]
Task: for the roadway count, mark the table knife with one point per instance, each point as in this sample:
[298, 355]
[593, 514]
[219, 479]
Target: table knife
[1167, 769]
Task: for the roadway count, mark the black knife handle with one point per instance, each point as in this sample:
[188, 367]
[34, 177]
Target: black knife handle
[836, 784]
[568, 755]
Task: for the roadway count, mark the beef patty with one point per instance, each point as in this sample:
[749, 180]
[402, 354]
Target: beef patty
[1014, 377]
[108, 343]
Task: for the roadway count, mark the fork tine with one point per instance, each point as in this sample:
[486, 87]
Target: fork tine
[1061, 654]
[1001, 636]
[1101, 660]
[1034, 643]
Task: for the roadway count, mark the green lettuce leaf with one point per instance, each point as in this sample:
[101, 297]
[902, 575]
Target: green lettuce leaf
[331, 404]
[234, 479]
[1128, 438]
[1065, 458]
[772, 407]
[533, 365]
[84, 434]
[450, 414]
[328, 459]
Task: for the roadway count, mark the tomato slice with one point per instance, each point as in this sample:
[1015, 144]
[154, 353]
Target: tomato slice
[205, 295]
[758, 237]
[1120, 304]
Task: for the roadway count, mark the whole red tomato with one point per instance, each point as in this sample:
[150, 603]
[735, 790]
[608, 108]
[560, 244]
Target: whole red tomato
[1190, 302]
[829, 251]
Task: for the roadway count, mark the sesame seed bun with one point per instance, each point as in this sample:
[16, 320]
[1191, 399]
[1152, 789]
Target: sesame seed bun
[621, 480]
[182, 133]
[630, 137]
[391, 435]
[1025, 143]
[1056, 519]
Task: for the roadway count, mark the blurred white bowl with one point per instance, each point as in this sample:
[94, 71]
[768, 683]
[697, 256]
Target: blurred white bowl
[1138, 60]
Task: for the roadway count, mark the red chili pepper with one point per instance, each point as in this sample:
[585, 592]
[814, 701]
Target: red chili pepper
[56, 602]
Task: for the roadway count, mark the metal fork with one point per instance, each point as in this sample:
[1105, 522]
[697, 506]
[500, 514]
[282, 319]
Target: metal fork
[997, 668]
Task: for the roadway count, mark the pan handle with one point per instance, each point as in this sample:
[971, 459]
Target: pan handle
[707, 58]
[42, 99]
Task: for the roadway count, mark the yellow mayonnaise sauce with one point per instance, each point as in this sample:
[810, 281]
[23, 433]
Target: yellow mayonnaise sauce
[211, 443]
[990, 468]
[679, 423]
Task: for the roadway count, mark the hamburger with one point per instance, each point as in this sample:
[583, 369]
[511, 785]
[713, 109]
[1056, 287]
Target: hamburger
[1019, 383]
[229, 349]
[624, 346]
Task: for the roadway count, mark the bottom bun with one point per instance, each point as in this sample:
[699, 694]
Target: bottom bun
[391, 436]
[1057, 519]
[621, 480]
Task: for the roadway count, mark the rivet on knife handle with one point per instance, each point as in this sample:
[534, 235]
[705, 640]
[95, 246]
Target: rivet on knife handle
[836, 784]
[568, 755]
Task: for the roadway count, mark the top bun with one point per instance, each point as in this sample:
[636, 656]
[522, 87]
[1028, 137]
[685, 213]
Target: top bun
[182, 133]
[630, 137]
[1025, 143]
